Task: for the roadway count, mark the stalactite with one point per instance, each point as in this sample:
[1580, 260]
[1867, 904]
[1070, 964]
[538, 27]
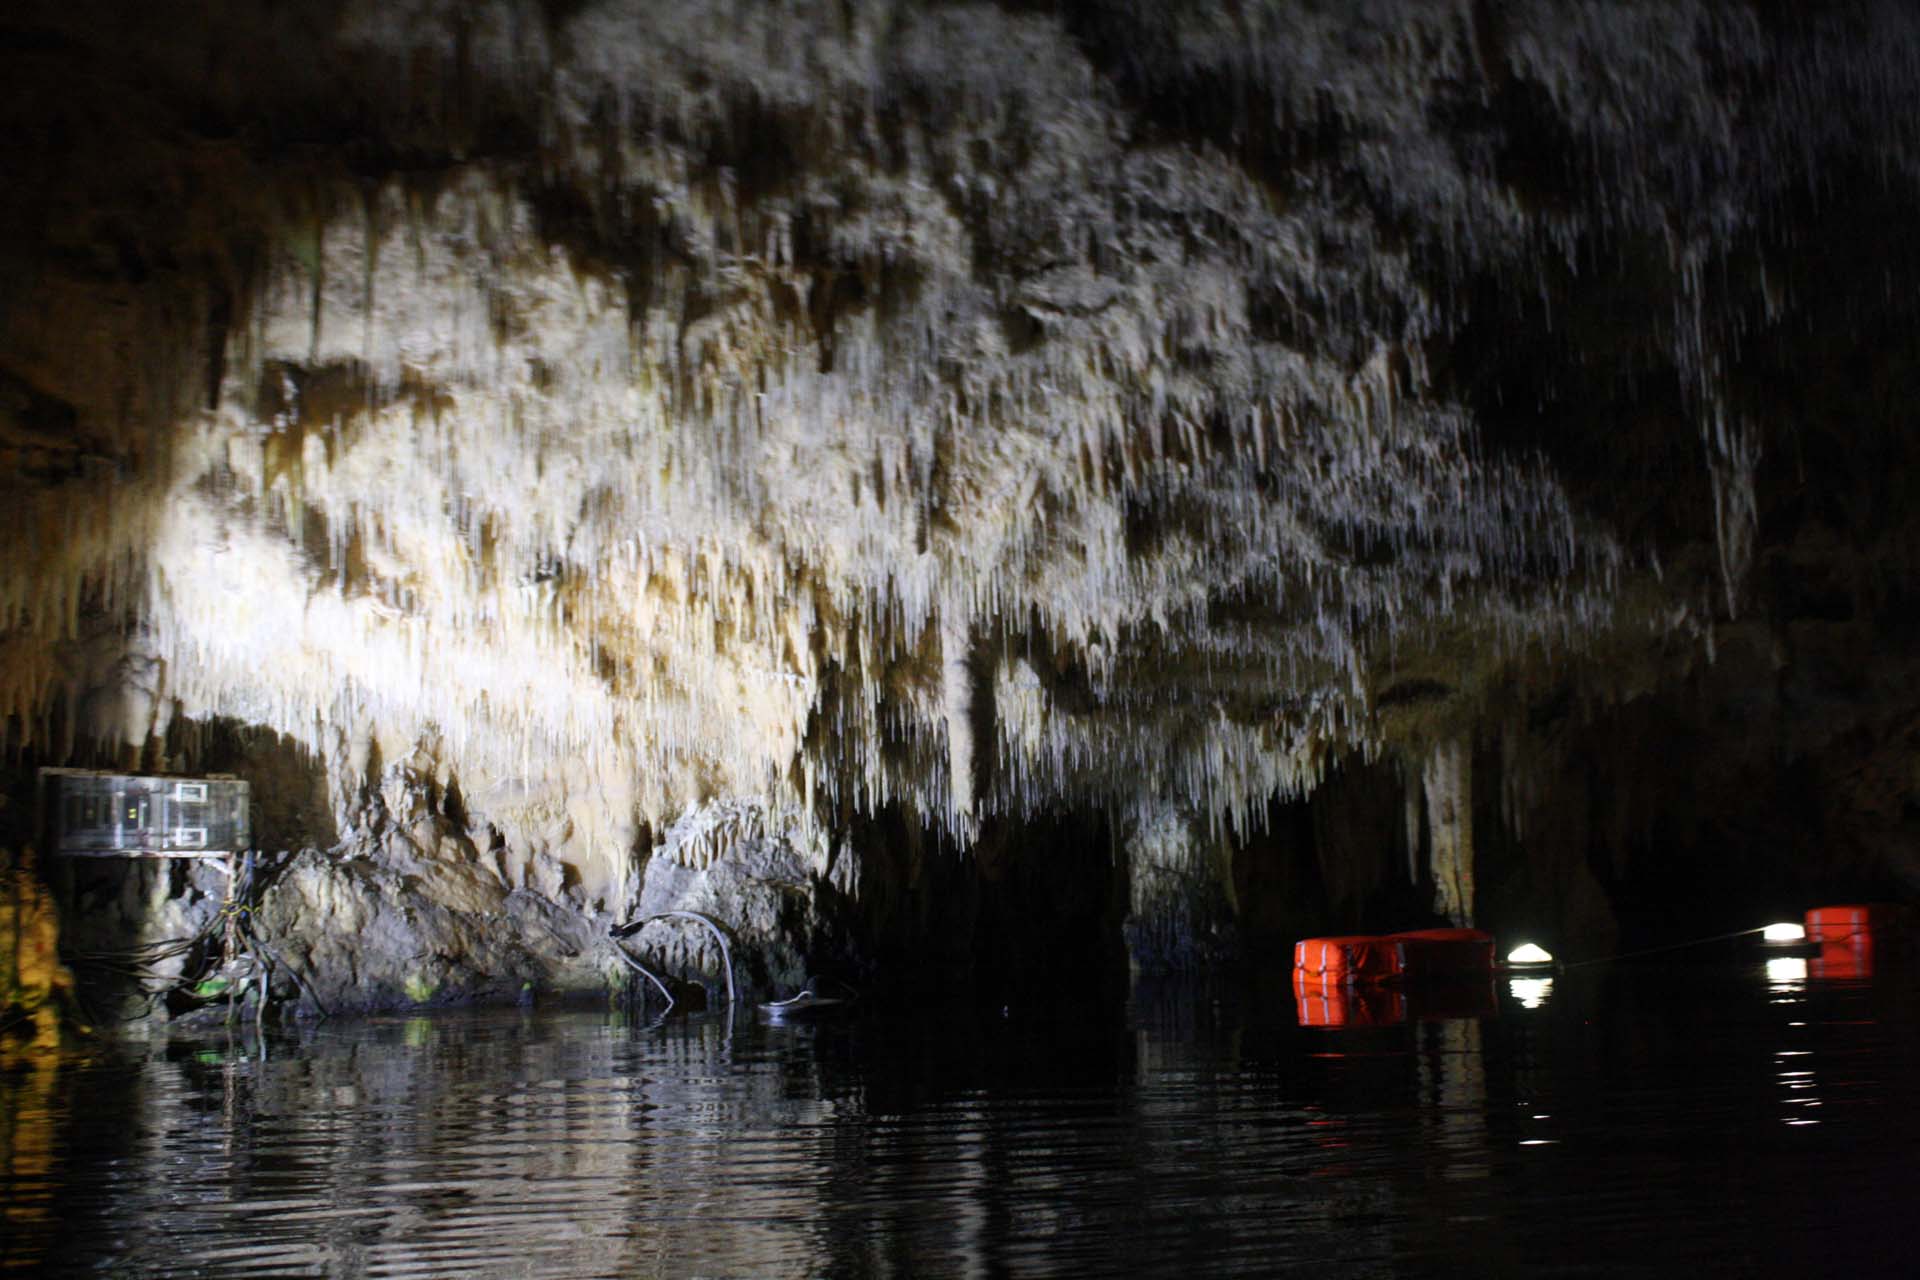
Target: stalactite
[714, 483]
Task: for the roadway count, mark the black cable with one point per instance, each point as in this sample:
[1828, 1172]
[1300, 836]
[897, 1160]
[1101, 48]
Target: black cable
[1651, 951]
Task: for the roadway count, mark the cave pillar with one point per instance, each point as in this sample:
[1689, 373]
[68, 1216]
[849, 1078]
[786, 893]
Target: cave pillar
[1181, 910]
[956, 691]
[1448, 778]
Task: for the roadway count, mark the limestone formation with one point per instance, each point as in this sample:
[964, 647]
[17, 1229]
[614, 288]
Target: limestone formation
[619, 443]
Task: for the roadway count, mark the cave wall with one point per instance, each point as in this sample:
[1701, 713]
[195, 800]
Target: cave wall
[556, 449]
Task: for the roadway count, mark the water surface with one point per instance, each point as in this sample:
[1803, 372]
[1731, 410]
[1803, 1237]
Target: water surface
[1649, 1120]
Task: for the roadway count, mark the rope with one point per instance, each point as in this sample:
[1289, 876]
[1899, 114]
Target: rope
[274, 959]
[1653, 951]
[644, 972]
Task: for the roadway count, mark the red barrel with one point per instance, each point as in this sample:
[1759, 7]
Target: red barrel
[1850, 961]
[1358, 958]
[1856, 924]
[1331, 1002]
[1446, 953]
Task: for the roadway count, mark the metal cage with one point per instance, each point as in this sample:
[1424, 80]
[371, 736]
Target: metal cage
[106, 815]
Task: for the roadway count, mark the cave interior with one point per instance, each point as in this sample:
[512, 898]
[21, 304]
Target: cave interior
[993, 496]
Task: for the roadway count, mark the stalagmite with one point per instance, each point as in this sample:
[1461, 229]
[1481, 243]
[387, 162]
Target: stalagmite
[1448, 778]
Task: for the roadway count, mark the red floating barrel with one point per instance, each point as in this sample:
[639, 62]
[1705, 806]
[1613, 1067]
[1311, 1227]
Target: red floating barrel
[1331, 1002]
[1856, 924]
[1350, 959]
[1842, 962]
[1446, 953]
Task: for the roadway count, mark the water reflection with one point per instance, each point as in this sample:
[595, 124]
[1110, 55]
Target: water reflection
[1335, 1003]
[30, 1111]
[1198, 1130]
[1787, 973]
[1530, 993]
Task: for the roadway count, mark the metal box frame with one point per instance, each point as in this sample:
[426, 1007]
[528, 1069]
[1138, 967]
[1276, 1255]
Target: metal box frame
[90, 814]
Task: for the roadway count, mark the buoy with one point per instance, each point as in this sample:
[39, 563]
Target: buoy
[1855, 924]
[1353, 959]
[1446, 953]
[1528, 953]
[1332, 1002]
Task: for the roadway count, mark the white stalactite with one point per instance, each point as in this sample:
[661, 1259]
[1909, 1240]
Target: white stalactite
[656, 513]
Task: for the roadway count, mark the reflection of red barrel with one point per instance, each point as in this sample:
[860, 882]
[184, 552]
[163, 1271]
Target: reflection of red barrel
[1446, 953]
[1326, 1001]
[1356, 959]
[1855, 925]
[1849, 961]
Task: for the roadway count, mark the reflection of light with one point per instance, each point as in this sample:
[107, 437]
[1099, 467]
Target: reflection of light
[1530, 992]
[1784, 933]
[1527, 953]
[1785, 969]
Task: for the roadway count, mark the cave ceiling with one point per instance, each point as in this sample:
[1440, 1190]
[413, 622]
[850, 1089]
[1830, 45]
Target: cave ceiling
[631, 406]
